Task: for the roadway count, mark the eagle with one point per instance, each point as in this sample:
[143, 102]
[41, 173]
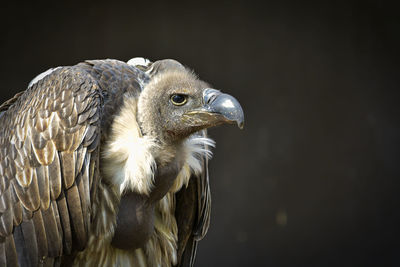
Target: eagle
[105, 163]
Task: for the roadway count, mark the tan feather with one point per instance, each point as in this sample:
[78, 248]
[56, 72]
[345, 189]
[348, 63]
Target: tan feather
[66, 224]
[5, 200]
[52, 234]
[17, 211]
[77, 138]
[57, 218]
[75, 210]
[26, 214]
[21, 161]
[44, 190]
[45, 155]
[52, 129]
[90, 136]
[4, 183]
[67, 160]
[42, 124]
[41, 236]
[3, 260]
[55, 105]
[81, 106]
[83, 116]
[28, 196]
[80, 159]
[66, 110]
[54, 171]
[37, 140]
[24, 177]
[30, 241]
[6, 216]
[11, 255]
[6, 223]
[63, 141]
[85, 201]
[71, 120]
[65, 95]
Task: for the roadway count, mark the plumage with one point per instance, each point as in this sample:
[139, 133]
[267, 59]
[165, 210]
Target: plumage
[41, 234]
[10, 249]
[53, 171]
[66, 224]
[105, 163]
[79, 230]
[43, 184]
[30, 241]
[52, 234]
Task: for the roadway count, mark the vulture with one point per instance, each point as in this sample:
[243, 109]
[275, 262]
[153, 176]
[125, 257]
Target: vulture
[105, 163]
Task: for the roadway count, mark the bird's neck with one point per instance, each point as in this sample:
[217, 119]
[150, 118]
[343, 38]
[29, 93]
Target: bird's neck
[169, 144]
[168, 140]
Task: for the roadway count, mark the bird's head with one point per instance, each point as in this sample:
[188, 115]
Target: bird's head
[175, 103]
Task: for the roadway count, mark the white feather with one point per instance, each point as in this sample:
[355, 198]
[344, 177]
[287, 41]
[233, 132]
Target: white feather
[139, 61]
[196, 147]
[138, 172]
[41, 76]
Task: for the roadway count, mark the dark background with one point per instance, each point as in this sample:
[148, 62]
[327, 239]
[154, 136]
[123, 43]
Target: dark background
[313, 179]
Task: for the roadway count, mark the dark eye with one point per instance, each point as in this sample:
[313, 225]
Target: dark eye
[178, 99]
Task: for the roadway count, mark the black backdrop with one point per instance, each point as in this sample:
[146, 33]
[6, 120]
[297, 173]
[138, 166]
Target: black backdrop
[313, 179]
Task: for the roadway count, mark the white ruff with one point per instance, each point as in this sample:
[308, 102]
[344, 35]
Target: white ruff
[195, 148]
[128, 159]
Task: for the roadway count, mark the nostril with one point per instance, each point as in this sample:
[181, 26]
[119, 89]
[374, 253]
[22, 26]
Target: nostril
[211, 98]
[209, 95]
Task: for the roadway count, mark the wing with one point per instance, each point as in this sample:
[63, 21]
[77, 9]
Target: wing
[49, 151]
[192, 213]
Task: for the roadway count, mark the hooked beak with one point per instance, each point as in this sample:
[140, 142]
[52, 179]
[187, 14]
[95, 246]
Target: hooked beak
[218, 108]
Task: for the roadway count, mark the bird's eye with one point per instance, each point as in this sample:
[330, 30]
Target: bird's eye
[178, 99]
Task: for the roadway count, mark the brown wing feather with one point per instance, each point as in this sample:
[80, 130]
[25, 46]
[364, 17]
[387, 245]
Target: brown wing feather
[185, 214]
[47, 137]
[193, 207]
